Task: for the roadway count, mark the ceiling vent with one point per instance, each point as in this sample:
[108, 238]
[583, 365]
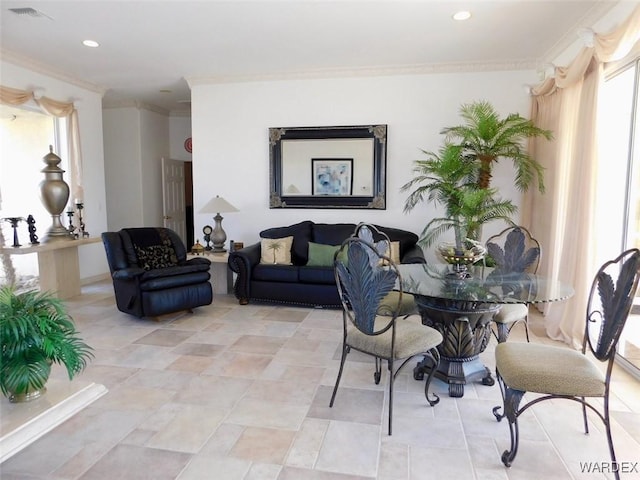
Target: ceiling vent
[29, 12]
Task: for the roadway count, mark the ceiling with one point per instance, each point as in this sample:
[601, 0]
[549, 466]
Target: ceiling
[150, 51]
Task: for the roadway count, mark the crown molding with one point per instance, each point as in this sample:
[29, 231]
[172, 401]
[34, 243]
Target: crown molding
[111, 104]
[25, 62]
[459, 67]
[596, 13]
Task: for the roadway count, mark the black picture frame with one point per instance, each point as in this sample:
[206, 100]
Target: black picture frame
[370, 196]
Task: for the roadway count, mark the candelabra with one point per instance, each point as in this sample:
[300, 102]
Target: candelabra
[80, 207]
[71, 227]
[14, 224]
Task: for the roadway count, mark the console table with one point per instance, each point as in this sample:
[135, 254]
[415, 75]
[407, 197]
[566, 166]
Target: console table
[58, 265]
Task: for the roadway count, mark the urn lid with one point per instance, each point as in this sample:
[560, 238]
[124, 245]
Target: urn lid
[52, 160]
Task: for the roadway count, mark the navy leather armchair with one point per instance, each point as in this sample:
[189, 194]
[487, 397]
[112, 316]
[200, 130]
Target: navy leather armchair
[151, 274]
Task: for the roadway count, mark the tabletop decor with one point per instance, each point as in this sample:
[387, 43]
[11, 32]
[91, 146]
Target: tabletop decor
[54, 193]
[218, 205]
[14, 221]
[33, 237]
[460, 259]
[35, 332]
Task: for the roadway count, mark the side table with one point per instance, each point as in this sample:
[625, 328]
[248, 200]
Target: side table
[221, 274]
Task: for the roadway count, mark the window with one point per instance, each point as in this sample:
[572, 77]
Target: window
[25, 136]
[619, 184]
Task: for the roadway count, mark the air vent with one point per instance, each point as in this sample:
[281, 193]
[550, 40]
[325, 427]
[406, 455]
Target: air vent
[29, 12]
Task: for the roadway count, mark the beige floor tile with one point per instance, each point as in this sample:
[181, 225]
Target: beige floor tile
[350, 448]
[306, 445]
[263, 445]
[270, 378]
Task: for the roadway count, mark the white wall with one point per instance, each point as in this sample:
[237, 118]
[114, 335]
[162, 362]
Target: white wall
[230, 135]
[135, 139]
[123, 167]
[89, 105]
[179, 131]
[154, 142]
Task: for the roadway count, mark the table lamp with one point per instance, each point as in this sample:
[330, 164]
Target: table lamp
[216, 205]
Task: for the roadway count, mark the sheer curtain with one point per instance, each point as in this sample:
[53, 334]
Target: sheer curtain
[566, 104]
[12, 96]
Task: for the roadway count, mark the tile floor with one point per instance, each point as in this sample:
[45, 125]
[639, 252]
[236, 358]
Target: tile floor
[241, 392]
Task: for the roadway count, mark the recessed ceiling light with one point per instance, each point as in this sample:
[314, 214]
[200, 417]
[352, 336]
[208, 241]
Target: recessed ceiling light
[462, 15]
[90, 43]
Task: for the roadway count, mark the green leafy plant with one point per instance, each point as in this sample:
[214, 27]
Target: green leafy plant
[35, 332]
[448, 178]
[485, 138]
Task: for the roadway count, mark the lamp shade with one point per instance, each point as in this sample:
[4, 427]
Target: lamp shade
[218, 205]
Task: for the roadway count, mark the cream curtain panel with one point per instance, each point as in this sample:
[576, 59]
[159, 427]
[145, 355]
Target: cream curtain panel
[12, 96]
[563, 217]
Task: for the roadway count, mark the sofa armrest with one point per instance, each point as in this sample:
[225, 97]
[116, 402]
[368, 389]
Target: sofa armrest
[197, 261]
[128, 273]
[242, 262]
[413, 255]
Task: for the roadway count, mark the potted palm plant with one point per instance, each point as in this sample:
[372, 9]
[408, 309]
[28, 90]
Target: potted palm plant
[448, 178]
[485, 137]
[35, 332]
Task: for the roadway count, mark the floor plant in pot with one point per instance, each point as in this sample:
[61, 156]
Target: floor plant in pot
[448, 179]
[36, 331]
[485, 137]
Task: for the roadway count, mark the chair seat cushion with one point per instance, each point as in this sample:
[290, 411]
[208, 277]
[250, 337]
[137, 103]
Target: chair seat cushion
[412, 338]
[511, 312]
[390, 302]
[548, 369]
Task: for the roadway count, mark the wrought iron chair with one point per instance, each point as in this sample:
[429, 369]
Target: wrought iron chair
[560, 372]
[519, 253]
[372, 326]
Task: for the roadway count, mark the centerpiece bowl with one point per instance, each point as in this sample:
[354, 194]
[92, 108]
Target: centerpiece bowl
[460, 259]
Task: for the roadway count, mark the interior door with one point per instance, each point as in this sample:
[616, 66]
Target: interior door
[173, 197]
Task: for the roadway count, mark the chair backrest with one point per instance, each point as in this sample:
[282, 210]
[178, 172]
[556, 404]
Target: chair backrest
[514, 250]
[364, 276]
[610, 300]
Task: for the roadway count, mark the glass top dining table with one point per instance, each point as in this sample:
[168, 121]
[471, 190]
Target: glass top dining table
[482, 285]
[462, 310]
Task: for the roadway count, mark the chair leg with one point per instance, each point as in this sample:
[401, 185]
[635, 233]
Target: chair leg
[434, 357]
[345, 350]
[607, 425]
[511, 402]
[526, 327]
[499, 416]
[391, 378]
[378, 373]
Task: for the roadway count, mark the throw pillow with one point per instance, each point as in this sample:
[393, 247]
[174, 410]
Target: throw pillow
[394, 253]
[155, 256]
[321, 255]
[276, 251]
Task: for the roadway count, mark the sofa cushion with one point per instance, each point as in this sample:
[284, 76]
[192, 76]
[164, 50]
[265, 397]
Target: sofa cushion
[319, 275]
[322, 255]
[275, 273]
[301, 233]
[407, 239]
[332, 233]
[276, 251]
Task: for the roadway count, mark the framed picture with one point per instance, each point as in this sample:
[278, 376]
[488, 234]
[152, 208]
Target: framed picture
[332, 176]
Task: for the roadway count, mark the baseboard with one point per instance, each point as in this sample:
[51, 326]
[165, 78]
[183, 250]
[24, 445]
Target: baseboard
[94, 279]
[24, 423]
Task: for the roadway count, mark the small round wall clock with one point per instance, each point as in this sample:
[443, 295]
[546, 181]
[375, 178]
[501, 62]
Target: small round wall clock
[187, 145]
